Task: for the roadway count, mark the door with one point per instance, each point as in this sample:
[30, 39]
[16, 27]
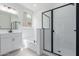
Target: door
[17, 40]
[64, 24]
[47, 31]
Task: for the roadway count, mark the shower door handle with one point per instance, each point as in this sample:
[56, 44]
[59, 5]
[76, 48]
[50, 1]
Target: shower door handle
[53, 30]
[75, 30]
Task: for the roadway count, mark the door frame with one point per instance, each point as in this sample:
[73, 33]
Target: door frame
[44, 32]
[52, 28]
[77, 29]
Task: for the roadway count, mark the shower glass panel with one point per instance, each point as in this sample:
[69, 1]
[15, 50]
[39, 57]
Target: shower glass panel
[64, 24]
[47, 31]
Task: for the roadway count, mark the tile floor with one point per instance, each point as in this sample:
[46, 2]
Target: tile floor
[24, 52]
[27, 52]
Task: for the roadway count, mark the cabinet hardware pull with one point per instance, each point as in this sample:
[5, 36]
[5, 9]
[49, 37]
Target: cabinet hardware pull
[75, 30]
[59, 51]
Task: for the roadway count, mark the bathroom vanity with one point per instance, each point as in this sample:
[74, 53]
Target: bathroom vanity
[10, 42]
[10, 38]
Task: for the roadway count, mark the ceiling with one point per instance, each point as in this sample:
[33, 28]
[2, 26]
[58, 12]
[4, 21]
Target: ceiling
[39, 6]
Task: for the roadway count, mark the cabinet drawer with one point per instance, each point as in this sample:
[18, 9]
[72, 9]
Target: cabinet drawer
[17, 35]
[5, 36]
[9, 42]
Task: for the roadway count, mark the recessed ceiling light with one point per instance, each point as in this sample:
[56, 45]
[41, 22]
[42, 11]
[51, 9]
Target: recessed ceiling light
[35, 5]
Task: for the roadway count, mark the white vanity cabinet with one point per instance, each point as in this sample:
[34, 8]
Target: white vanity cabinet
[5, 40]
[10, 42]
[17, 38]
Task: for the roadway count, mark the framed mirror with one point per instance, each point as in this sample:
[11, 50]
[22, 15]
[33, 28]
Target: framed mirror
[8, 20]
[4, 20]
[14, 21]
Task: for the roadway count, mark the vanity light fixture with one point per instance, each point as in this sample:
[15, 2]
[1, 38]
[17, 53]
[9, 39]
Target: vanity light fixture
[8, 9]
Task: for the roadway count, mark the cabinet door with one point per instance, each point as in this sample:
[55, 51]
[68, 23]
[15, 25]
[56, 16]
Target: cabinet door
[6, 43]
[64, 26]
[17, 43]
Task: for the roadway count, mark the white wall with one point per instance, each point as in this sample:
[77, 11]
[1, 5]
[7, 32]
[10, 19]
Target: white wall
[37, 19]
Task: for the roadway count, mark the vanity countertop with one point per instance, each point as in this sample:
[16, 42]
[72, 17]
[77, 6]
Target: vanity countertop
[6, 32]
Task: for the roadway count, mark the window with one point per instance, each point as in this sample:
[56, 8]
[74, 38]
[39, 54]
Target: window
[27, 20]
